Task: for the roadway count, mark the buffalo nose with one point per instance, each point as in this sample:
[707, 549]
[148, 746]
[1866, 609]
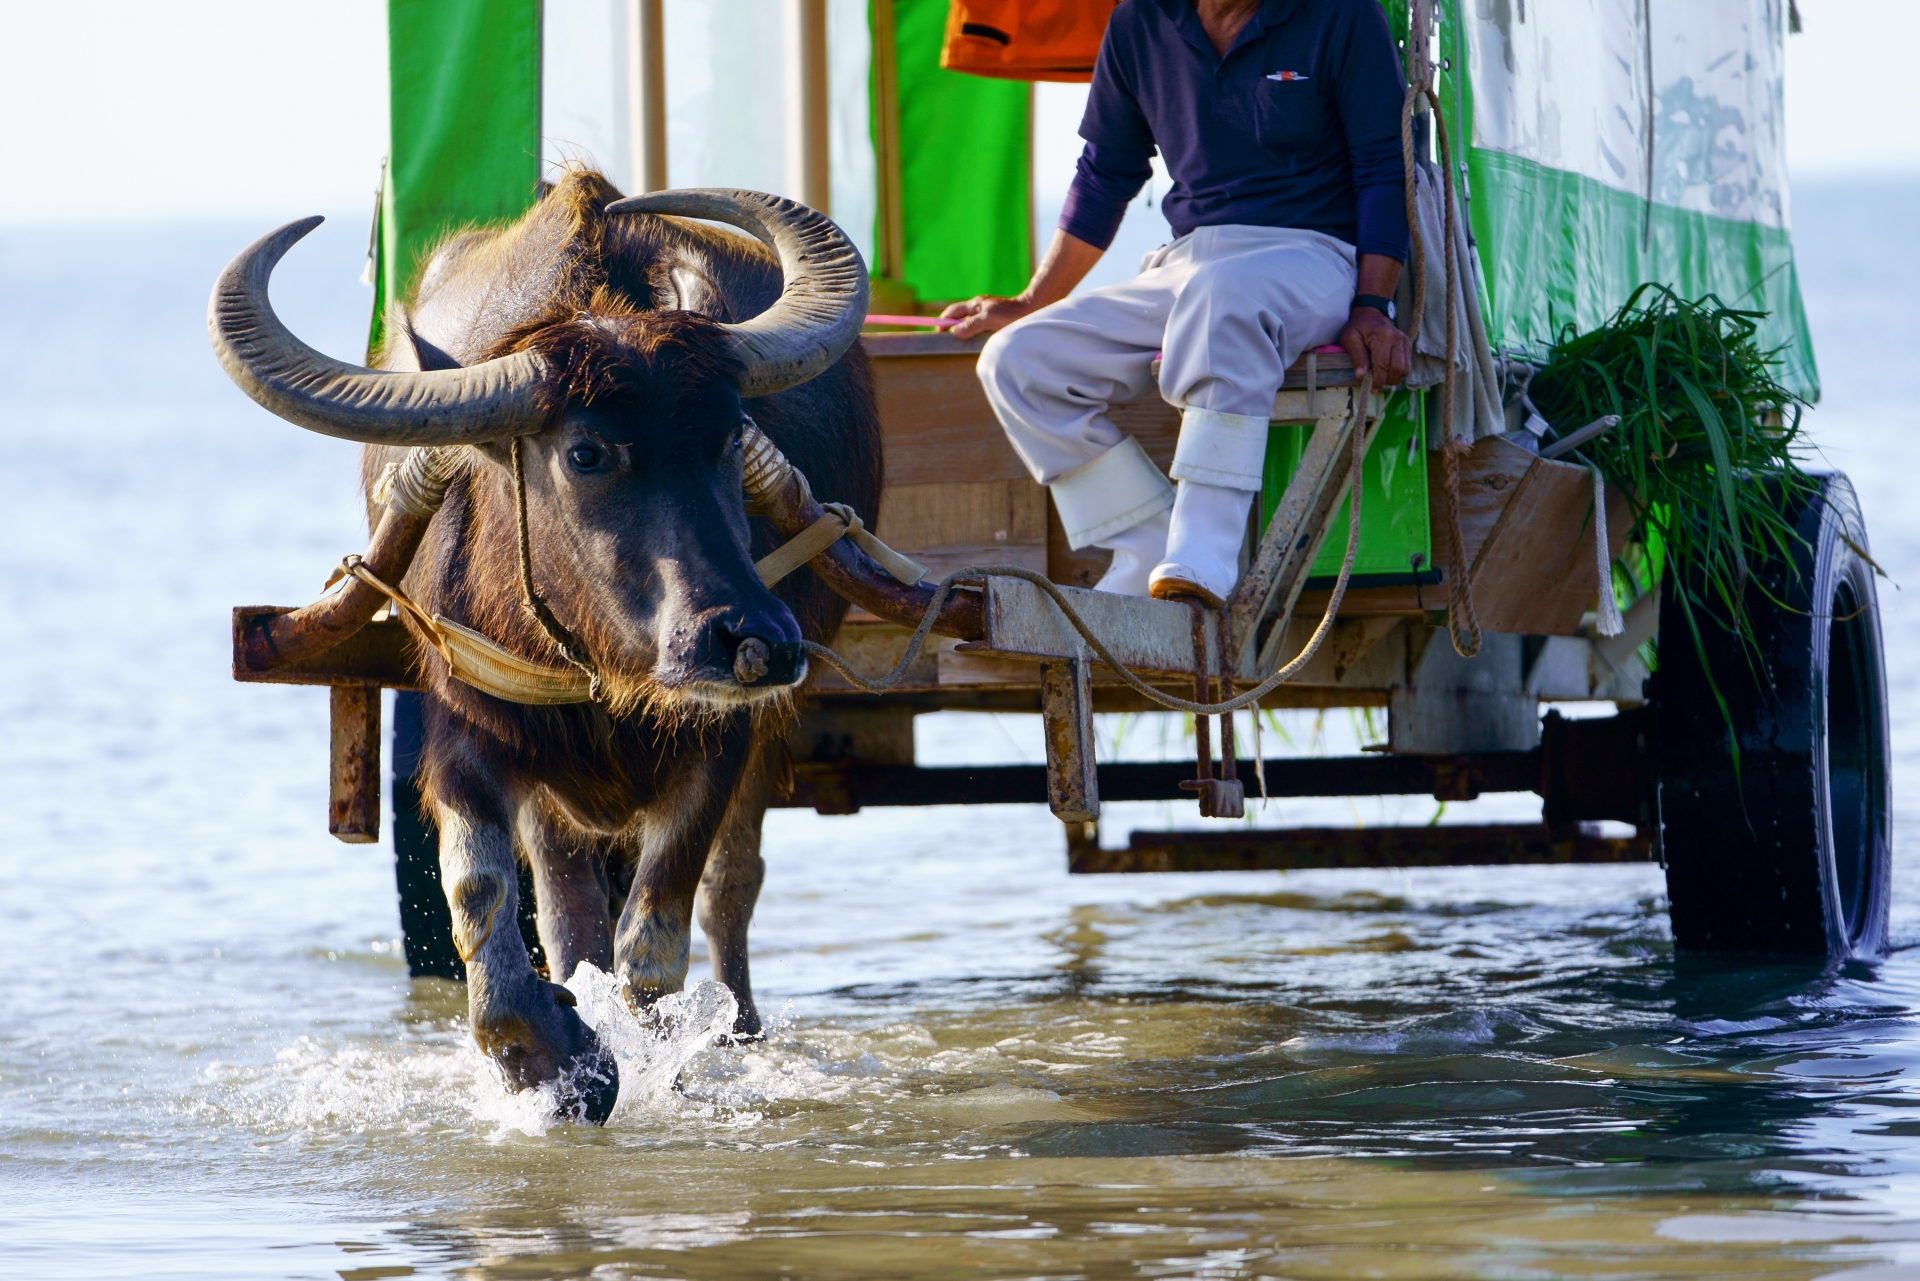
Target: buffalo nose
[750, 661]
[762, 662]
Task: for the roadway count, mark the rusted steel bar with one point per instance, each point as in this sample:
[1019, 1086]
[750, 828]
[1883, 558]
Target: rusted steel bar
[353, 777]
[1299, 849]
[272, 640]
[844, 787]
[791, 506]
[1592, 768]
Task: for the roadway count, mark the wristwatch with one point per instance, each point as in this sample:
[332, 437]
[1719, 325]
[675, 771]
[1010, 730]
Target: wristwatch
[1382, 305]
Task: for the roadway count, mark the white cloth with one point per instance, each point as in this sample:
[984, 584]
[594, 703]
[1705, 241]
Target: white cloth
[1230, 307]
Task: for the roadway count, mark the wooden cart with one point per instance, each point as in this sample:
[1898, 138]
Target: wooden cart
[1788, 852]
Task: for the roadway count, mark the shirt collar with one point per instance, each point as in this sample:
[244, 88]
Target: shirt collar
[1185, 15]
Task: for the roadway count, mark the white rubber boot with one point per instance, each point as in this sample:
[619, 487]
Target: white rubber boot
[1208, 525]
[1135, 552]
[1118, 500]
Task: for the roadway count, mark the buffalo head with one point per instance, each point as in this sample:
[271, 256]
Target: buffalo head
[629, 426]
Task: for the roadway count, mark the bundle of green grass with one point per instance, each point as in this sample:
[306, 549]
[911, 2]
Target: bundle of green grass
[1707, 449]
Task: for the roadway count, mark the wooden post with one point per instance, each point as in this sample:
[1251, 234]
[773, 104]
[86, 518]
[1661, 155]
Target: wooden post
[891, 252]
[353, 776]
[647, 94]
[1066, 714]
[810, 175]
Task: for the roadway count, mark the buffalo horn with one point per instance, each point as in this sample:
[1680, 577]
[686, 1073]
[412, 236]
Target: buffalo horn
[823, 301]
[489, 401]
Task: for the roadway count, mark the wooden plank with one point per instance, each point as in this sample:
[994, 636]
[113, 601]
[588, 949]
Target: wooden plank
[1298, 849]
[950, 526]
[1489, 478]
[1292, 539]
[870, 732]
[929, 342]
[1490, 475]
[383, 653]
[1535, 572]
[937, 424]
[353, 775]
[1145, 635]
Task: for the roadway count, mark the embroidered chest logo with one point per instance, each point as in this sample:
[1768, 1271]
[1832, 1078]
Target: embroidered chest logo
[1287, 75]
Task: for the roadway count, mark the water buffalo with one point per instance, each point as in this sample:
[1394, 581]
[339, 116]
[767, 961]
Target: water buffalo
[620, 354]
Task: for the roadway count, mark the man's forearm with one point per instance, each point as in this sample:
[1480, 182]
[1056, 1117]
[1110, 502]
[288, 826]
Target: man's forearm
[1067, 262]
[1379, 275]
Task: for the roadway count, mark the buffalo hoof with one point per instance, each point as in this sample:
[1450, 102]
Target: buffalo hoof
[589, 1089]
[546, 1042]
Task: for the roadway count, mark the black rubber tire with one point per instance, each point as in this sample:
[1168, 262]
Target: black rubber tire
[1796, 856]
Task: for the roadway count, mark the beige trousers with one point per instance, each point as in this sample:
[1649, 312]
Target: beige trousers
[1227, 308]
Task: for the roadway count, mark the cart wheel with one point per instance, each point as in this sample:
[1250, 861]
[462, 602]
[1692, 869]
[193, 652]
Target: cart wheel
[1796, 855]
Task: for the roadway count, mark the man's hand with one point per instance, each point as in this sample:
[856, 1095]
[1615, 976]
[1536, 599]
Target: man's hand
[1374, 342]
[984, 314]
[1067, 262]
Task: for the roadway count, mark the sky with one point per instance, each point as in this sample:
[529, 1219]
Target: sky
[122, 110]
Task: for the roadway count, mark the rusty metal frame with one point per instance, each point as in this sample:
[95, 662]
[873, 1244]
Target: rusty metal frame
[1308, 848]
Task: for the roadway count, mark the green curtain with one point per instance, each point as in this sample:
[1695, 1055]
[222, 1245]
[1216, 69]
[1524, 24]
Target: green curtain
[965, 168]
[464, 138]
[1559, 248]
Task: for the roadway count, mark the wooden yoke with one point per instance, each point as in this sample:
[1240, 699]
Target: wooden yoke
[266, 641]
[777, 490]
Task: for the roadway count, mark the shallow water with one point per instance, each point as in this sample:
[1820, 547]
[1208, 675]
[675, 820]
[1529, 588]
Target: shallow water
[212, 1062]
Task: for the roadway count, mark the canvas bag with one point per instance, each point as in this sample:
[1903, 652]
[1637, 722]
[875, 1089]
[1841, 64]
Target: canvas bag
[1025, 39]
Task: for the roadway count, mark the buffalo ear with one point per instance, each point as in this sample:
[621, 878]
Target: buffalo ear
[680, 281]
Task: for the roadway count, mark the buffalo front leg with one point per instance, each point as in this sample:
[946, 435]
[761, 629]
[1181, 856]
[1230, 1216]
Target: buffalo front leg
[570, 893]
[520, 1021]
[731, 885]
[650, 946]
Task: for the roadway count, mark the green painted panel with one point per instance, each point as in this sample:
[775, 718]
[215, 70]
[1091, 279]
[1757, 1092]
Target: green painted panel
[1393, 493]
[965, 170]
[464, 137]
[1557, 247]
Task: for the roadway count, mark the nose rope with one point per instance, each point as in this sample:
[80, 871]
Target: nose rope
[532, 603]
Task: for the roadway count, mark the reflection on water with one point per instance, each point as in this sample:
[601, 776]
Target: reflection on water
[212, 1062]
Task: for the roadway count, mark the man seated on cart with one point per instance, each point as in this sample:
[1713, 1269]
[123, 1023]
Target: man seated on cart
[1279, 121]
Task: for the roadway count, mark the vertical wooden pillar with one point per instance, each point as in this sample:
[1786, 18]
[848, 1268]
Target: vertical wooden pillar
[353, 775]
[1066, 713]
[647, 94]
[891, 252]
[810, 175]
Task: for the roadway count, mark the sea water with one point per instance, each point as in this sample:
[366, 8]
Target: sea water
[213, 1063]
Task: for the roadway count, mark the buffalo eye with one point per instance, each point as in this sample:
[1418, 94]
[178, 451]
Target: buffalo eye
[585, 457]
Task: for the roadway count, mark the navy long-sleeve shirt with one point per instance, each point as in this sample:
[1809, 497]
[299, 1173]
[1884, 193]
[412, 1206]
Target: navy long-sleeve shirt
[1297, 126]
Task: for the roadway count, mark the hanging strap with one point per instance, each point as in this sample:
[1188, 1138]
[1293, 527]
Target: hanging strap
[839, 521]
